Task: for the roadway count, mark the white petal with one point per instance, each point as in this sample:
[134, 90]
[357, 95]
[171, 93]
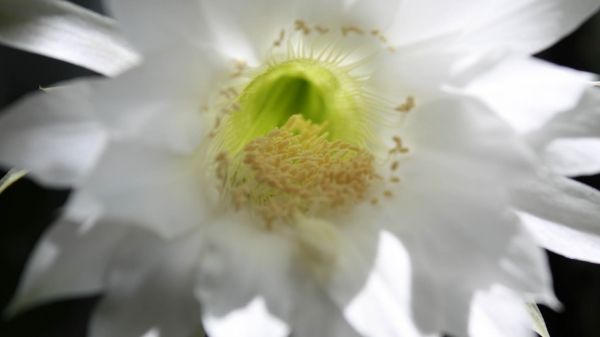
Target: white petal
[564, 240]
[570, 213]
[164, 97]
[573, 156]
[264, 264]
[52, 135]
[499, 312]
[568, 143]
[452, 215]
[382, 308]
[149, 289]
[252, 321]
[526, 26]
[527, 93]
[561, 200]
[67, 32]
[240, 261]
[148, 187]
[71, 260]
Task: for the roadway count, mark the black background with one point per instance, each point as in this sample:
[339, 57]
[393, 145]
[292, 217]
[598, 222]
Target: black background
[26, 209]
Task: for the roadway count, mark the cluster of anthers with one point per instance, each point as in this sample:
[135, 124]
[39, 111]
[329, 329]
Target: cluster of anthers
[297, 169]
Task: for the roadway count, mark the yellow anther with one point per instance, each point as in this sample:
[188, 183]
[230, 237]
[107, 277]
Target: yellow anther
[239, 66]
[352, 29]
[407, 106]
[399, 147]
[302, 26]
[280, 39]
[322, 30]
[297, 169]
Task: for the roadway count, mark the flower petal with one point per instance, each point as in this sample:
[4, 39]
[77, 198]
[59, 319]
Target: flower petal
[564, 240]
[569, 142]
[382, 307]
[155, 189]
[152, 24]
[567, 211]
[458, 149]
[527, 93]
[53, 135]
[69, 261]
[527, 26]
[524, 26]
[264, 264]
[149, 288]
[252, 321]
[499, 312]
[67, 32]
[573, 156]
[164, 98]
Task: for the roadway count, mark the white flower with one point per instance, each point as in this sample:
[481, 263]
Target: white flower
[445, 146]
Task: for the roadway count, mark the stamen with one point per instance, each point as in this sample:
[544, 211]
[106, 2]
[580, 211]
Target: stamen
[297, 169]
[352, 29]
[302, 26]
[407, 106]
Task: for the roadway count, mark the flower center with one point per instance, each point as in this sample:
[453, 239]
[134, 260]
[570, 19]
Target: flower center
[294, 144]
[318, 91]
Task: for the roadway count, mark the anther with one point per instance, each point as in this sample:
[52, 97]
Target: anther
[352, 29]
[407, 106]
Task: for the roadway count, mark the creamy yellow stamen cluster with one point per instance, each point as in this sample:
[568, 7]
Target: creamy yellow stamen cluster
[297, 169]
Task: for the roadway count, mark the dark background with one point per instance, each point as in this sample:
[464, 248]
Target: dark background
[26, 209]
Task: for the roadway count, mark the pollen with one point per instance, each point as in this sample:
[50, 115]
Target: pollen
[296, 169]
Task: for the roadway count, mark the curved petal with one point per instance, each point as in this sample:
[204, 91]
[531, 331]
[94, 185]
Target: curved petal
[561, 200]
[524, 27]
[563, 240]
[164, 98]
[152, 24]
[568, 143]
[382, 307]
[459, 152]
[265, 264]
[149, 288]
[573, 156]
[67, 32]
[149, 187]
[254, 320]
[53, 135]
[527, 92]
[499, 312]
[71, 260]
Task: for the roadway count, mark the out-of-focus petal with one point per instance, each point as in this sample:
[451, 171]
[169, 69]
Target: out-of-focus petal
[382, 307]
[564, 240]
[573, 156]
[523, 27]
[265, 264]
[499, 312]
[253, 320]
[164, 100]
[71, 260]
[562, 212]
[149, 187]
[65, 31]
[527, 93]
[53, 135]
[569, 143]
[149, 287]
